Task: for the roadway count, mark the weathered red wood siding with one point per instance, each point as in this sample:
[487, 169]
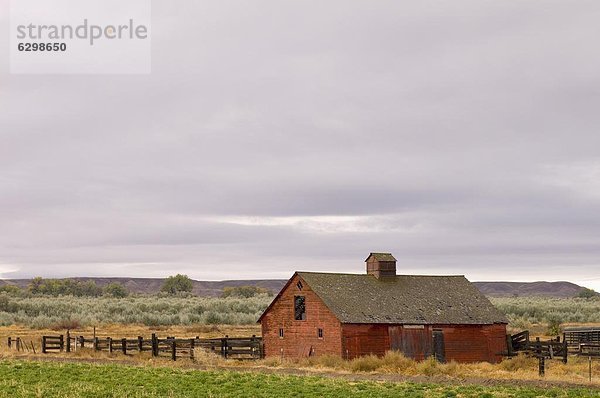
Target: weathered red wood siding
[300, 336]
[414, 342]
[364, 339]
[474, 343]
[463, 343]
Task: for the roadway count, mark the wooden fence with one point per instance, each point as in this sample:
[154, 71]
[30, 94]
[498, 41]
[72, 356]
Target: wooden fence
[542, 350]
[227, 347]
[19, 344]
[550, 349]
[583, 340]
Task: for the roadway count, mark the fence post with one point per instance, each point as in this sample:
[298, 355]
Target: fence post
[62, 343]
[81, 341]
[565, 350]
[509, 345]
[174, 349]
[124, 346]
[43, 344]
[96, 343]
[140, 343]
[538, 352]
[18, 344]
[10, 342]
[68, 341]
[154, 345]
[224, 348]
[109, 340]
[192, 346]
[261, 349]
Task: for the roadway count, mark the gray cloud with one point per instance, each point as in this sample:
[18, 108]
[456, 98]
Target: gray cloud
[301, 135]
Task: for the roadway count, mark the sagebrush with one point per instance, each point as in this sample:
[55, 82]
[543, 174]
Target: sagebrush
[47, 312]
[524, 311]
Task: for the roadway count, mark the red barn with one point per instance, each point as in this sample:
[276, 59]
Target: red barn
[353, 315]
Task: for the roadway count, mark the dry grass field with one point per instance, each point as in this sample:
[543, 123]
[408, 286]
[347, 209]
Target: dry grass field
[515, 369]
[46, 316]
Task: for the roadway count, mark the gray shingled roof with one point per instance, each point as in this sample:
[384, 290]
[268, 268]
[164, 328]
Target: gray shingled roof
[404, 299]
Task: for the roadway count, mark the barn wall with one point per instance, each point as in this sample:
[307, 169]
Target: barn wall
[364, 339]
[474, 343]
[463, 343]
[300, 336]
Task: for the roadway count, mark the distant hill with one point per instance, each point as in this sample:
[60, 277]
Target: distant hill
[214, 289]
[525, 289]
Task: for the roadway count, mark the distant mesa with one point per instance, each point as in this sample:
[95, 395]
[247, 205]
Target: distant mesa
[529, 289]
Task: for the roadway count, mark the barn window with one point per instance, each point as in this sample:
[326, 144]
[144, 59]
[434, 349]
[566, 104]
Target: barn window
[281, 332]
[320, 333]
[299, 285]
[299, 308]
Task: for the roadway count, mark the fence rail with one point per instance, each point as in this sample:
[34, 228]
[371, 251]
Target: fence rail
[582, 340]
[227, 347]
[19, 344]
[549, 349]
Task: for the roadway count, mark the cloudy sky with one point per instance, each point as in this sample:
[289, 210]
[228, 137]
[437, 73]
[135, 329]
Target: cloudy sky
[301, 135]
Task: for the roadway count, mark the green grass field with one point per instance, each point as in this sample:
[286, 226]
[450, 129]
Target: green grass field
[50, 379]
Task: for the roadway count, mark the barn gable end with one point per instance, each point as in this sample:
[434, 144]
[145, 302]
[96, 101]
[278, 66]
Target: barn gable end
[318, 332]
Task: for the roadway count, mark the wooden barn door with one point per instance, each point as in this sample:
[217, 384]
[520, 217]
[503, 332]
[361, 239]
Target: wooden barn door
[439, 348]
[414, 341]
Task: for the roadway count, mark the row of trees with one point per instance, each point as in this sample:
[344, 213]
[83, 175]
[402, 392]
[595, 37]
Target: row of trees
[176, 285]
[71, 287]
[245, 291]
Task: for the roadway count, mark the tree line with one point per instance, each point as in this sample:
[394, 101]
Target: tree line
[176, 285]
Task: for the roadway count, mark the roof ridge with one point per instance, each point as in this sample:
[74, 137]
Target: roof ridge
[355, 274]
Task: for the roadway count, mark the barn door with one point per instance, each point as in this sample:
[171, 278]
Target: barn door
[439, 349]
[414, 341]
[395, 333]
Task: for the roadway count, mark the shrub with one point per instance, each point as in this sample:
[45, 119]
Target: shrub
[212, 318]
[245, 291]
[429, 367]
[368, 363]
[116, 290]
[519, 362]
[586, 293]
[11, 290]
[554, 323]
[177, 284]
[395, 361]
[330, 361]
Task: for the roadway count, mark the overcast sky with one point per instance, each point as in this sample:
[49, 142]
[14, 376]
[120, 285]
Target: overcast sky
[276, 136]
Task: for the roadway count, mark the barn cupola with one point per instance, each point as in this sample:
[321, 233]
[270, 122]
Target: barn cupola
[381, 265]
